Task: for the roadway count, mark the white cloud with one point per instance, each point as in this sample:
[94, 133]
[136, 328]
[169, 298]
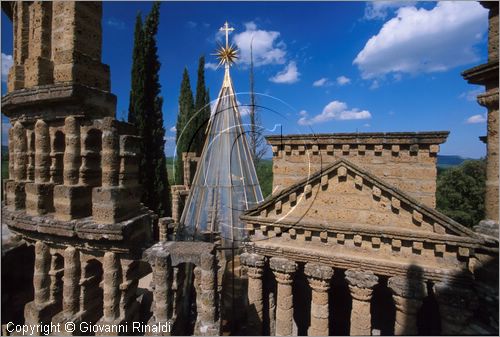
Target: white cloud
[322, 82]
[210, 65]
[7, 62]
[471, 95]
[343, 80]
[380, 9]
[366, 125]
[334, 110]
[421, 40]
[191, 24]
[288, 75]
[479, 118]
[244, 109]
[173, 129]
[267, 48]
[374, 85]
[116, 23]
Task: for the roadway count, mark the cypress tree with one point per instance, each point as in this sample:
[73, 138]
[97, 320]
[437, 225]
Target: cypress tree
[137, 69]
[184, 135]
[145, 112]
[201, 109]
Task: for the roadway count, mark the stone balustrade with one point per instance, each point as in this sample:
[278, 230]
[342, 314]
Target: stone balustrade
[408, 294]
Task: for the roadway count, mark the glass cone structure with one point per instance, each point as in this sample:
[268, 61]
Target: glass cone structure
[225, 184]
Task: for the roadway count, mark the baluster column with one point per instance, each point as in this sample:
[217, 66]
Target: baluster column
[361, 285]
[283, 270]
[255, 271]
[319, 280]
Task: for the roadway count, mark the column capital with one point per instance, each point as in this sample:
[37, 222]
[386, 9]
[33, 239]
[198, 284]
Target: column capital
[252, 260]
[282, 265]
[407, 287]
[318, 276]
[283, 269]
[361, 278]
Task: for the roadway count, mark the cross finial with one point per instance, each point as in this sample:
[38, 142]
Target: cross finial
[227, 29]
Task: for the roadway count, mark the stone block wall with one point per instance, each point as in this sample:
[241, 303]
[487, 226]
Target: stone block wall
[406, 160]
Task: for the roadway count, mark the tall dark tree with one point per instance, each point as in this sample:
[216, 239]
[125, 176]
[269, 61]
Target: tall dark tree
[184, 136]
[145, 111]
[201, 109]
[137, 79]
[256, 138]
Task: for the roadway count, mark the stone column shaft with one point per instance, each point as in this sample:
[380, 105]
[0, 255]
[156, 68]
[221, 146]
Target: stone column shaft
[72, 158]
[112, 279]
[41, 278]
[361, 285]
[283, 270]
[255, 272]
[162, 281]
[42, 152]
[71, 286]
[319, 280]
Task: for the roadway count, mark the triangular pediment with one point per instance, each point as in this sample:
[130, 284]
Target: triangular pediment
[344, 196]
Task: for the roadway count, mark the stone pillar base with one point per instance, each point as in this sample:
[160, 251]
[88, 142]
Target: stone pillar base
[76, 319]
[35, 314]
[39, 198]
[15, 195]
[121, 326]
[72, 202]
[114, 204]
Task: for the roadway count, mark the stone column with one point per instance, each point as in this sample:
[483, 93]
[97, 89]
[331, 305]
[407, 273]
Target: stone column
[129, 307]
[456, 306]
[408, 294]
[162, 295]
[283, 270]
[112, 278]
[319, 280]
[39, 195]
[71, 287]
[206, 293]
[42, 152]
[361, 285]
[489, 100]
[72, 158]
[255, 270]
[12, 140]
[38, 310]
[56, 279]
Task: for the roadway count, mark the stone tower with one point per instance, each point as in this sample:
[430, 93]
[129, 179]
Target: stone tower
[487, 74]
[72, 190]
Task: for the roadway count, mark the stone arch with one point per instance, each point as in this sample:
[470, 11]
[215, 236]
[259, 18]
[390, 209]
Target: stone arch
[90, 172]
[58, 147]
[91, 292]
[383, 310]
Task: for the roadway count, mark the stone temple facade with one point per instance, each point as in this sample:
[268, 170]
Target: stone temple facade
[349, 242]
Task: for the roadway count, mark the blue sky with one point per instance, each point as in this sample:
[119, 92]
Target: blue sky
[321, 66]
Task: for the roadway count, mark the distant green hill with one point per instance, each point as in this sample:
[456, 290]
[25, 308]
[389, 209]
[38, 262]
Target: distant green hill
[445, 161]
